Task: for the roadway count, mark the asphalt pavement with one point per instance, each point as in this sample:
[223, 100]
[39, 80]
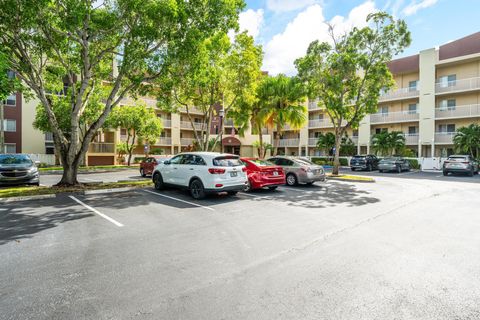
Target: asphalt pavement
[400, 248]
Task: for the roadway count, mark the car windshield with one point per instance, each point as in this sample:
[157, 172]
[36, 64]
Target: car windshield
[261, 163]
[227, 161]
[162, 160]
[15, 159]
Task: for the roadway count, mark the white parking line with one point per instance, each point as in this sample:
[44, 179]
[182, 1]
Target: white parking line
[254, 196]
[115, 222]
[180, 200]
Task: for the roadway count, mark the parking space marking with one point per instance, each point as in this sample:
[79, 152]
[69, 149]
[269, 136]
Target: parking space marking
[180, 200]
[254, 196]
[115, 222]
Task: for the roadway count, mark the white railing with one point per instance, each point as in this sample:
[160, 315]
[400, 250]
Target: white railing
[411, 138]
[101, 147]
[320, 123]
[354, 139]
[191, 110]
[43, 158]
[228, 123]
[465, 111]
[288, 142]
[393, 117]
[186, 141]
[163, 141]
[401, 93]
[458, 85]
[313, 105]
[444, 137]
[188, 125]
[312, 141]
[167, 123]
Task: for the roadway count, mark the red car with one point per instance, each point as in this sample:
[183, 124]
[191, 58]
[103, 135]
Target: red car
[262, 174]
[149, 163]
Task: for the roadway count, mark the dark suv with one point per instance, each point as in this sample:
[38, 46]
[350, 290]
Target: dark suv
[460, 164]
[367, 162]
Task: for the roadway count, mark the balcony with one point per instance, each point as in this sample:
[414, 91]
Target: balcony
[444, 137]
[466, 111]
[411, 138]
[402, 93]
[228, 123]
[402, 116]
[164, 141]
[320, 123]
[191, 110]
[288, 142]
[101, 147]
[313, 105]
[188, 125]
[458, 85]
[354, 139]
[312, 141]
[186, 141]
[167, 123]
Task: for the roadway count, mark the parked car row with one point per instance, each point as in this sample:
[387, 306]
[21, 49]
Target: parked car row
[209, 172]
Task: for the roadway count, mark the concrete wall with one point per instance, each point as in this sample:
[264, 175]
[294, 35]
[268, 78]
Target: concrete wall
[33, 141]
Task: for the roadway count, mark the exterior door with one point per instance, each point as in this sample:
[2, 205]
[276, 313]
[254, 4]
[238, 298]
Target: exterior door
[170, 171]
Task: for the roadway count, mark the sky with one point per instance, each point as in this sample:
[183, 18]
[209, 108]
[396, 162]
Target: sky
[285, 28]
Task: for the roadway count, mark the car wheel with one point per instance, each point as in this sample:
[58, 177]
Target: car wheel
[273, 188]
[248, 187]
[381, 171]
[196, 189]
[37, 184]
[291, 179]
[353, 169]
[445, 173]
[399, 169]
[369, 168]
[232, 193]
[158, 181]
[309, 183]
[470, 174]
[142, 173]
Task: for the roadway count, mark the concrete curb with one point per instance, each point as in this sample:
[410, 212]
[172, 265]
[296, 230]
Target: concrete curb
[112, 190]
[38, 197]
[351, 180]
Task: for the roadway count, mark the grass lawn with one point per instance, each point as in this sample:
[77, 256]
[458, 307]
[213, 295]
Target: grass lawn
[34, 191]
[89, 168]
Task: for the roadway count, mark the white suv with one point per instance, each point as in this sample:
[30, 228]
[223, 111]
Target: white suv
[202, 173]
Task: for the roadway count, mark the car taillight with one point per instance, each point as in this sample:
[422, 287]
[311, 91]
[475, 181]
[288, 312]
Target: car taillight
[244, 169]
[216, 171]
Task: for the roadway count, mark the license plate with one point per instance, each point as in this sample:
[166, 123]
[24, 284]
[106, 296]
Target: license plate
[233, 174]
[275, 173]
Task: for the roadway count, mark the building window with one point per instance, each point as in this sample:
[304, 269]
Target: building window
[355, 133]
[11, 100]
[384, 110]
[10, 74]
[10, 148]
[447, 81]
[449, 104]
[9, 125]
[412, 85]
[412, 130]
[380, 130]
[412, 108]
[446, 128]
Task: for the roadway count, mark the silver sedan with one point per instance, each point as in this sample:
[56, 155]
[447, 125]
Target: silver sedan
[299, 170]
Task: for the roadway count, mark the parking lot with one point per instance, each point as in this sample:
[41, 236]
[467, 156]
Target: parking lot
[402, 247]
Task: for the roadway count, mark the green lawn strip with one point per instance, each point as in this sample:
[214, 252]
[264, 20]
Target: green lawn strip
[91, 168]
[35, 191]
[347, 177]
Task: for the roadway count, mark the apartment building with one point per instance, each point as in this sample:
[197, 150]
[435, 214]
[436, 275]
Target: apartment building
[437, 91]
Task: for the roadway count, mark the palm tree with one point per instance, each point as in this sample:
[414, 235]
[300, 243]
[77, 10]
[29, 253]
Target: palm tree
[380, 143]
[467, 139]
[326, 142]
[396, 141]
[283, 97]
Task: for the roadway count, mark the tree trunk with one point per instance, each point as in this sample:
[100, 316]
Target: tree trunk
[277, 140]
[69, 177]
[336, 159]
[260, 140]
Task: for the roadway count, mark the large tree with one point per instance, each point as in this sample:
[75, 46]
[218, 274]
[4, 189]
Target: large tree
[388, 143]
[121, 45]
[326, 142]
[347, 74]
[223, 74]
[467, 140]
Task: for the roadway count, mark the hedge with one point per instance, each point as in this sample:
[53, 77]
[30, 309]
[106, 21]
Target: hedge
[413, 163]
[329, 161]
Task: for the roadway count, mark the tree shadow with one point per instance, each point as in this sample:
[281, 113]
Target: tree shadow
[23, 221]
[314, 196]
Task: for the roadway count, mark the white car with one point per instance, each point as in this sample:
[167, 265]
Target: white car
[202, 173]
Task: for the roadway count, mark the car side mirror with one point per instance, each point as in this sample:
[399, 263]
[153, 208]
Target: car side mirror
[166, 162]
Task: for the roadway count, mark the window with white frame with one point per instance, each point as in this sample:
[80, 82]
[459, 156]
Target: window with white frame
[412, 85]
[412, 108]
[446, 128]
[384, 110]
[9, 125]
[447, 81]
[11, 100]
[449, 104]
[10, 148]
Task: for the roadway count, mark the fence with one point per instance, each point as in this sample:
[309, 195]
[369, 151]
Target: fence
[43, 158]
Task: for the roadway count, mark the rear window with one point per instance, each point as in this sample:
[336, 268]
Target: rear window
[262, 163]
[227, 161]
[359, 157]
[457, 158]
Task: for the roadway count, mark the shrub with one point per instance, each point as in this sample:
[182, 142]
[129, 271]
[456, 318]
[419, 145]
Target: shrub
[414, 163]
[156, 151]
[138, 159]
[343, 161]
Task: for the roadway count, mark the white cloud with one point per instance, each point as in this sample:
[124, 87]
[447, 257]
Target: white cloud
[250, 20]
[288, 5]
[309, 25]
[415, 5]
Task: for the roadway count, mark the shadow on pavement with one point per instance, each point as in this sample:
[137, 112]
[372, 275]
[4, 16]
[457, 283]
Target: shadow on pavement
[21, 221]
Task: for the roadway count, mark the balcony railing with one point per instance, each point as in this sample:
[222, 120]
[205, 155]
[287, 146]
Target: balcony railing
[411, 138]
[312, 141]
[402, 93]
[354, 139]
[167, 123]
[444, 137]
[465, 111]
[320, 123]
[228, 123]
[164, 141]
[288, 142]
[186, 141]
[458, 85]
[313, 105]
[188, 125]
[101, 147]
[191, 110]
[393, 117]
